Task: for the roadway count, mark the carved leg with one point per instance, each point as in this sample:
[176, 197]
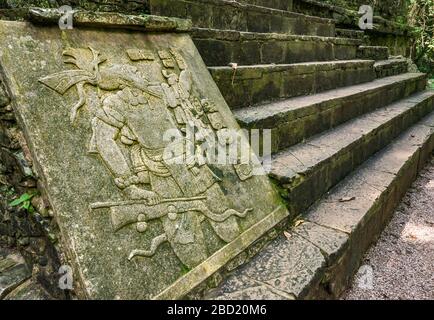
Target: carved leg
[156, 242]
[107, 148]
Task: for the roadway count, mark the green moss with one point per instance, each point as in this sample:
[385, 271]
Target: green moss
[185, 270]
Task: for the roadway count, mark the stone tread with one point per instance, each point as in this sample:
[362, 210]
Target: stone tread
[83, 18]
[298, 263]
[257, 70]
[306, 105]
[233, 35]
[306, 157]
[389, 62]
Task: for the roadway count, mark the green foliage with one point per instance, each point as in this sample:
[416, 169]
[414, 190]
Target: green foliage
[25, 202]
[185, 269]
[421, 17]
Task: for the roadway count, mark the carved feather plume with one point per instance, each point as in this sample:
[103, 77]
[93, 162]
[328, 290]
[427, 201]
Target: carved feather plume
[64, 80]
[88, 72]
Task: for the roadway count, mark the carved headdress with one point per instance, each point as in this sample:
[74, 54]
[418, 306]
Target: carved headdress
[88, 72]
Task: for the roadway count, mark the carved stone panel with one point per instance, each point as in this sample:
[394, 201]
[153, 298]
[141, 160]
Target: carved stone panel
[137, 221]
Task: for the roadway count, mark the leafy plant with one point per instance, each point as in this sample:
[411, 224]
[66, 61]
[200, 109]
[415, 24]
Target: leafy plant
[25, 200]
[421, 17]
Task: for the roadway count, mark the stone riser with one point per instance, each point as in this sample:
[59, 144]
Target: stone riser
[388, 68]
[248, 86]
[320, 178]
[221, 48]
[294, 126]
[373, 53]
[349, 33]
[229, 15]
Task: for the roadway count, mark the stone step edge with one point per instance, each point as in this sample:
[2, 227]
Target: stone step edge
[255, 71]
[244, 115]
[114, 20]
[388, 62]
[233, 35]
[257, 8]
[333, 255]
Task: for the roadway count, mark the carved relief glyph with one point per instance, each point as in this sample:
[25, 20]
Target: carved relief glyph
[130, 113]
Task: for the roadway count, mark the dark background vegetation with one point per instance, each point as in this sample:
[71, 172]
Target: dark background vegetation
[419, 14]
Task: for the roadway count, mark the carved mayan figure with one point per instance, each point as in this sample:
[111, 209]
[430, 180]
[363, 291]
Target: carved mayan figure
[130, 115]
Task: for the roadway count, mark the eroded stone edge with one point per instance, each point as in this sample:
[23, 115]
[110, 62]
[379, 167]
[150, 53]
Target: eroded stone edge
[149, 23]
[217, 261]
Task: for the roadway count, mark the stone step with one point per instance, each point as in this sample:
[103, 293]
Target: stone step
[242, 16]
[390, 67]
[296, 119]
[13, 272]
[221, 47]
[317, 257]
[251, 85]
[350, 33]
[373, 53]
[306, 171]
[29, 290]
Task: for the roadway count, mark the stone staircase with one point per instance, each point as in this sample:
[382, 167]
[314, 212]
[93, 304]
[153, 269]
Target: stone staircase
[350, 130]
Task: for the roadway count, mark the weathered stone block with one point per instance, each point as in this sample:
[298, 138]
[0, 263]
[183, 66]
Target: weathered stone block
[134, 223]
[252, 85]
[373, 52]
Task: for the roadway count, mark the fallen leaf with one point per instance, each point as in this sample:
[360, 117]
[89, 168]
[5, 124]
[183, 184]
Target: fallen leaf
[233, 65]
[347, 199]
[287, 235]
[298, 222]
